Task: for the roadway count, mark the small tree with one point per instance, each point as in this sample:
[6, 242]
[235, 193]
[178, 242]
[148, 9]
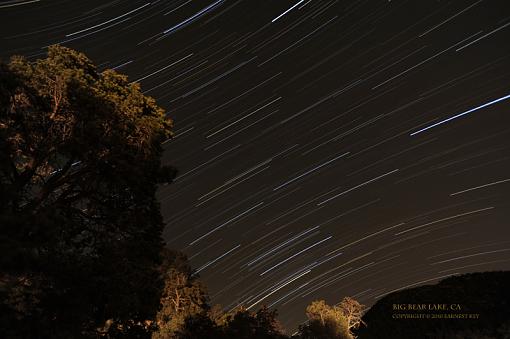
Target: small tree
[184, 300]
[262, 324]
[325, 321]
[352, 310]
[198, 326]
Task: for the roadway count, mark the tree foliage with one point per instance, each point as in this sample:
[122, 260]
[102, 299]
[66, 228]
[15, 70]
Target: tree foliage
[352, 311]
[79, 167]
[262, 324]
[338, 321]
[184, 298]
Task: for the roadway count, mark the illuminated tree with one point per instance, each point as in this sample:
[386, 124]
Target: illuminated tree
[352, 310]
[324, 322]
[184, 300]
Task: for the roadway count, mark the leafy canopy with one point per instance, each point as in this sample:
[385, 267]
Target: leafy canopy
[79, 167]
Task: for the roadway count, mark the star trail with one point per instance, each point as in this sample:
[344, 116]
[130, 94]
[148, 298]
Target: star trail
[325, 148]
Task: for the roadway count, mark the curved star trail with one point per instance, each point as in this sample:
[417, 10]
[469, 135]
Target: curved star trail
[325, 148]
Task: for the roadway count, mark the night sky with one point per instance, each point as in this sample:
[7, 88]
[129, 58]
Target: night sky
[325, 148]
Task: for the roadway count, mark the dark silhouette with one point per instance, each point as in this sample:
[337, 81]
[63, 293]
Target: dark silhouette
[259, 325]
[486, 294]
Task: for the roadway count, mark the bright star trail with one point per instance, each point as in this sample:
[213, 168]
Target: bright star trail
[506, 97]
[325, 148]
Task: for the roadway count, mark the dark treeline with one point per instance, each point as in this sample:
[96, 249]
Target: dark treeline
[82, 254]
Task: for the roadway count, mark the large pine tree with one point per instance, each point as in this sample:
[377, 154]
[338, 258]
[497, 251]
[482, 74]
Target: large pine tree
[80, 237]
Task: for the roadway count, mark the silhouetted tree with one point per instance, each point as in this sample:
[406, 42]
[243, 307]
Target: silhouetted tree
[199, 326]
[80, 225]
[243, 324]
